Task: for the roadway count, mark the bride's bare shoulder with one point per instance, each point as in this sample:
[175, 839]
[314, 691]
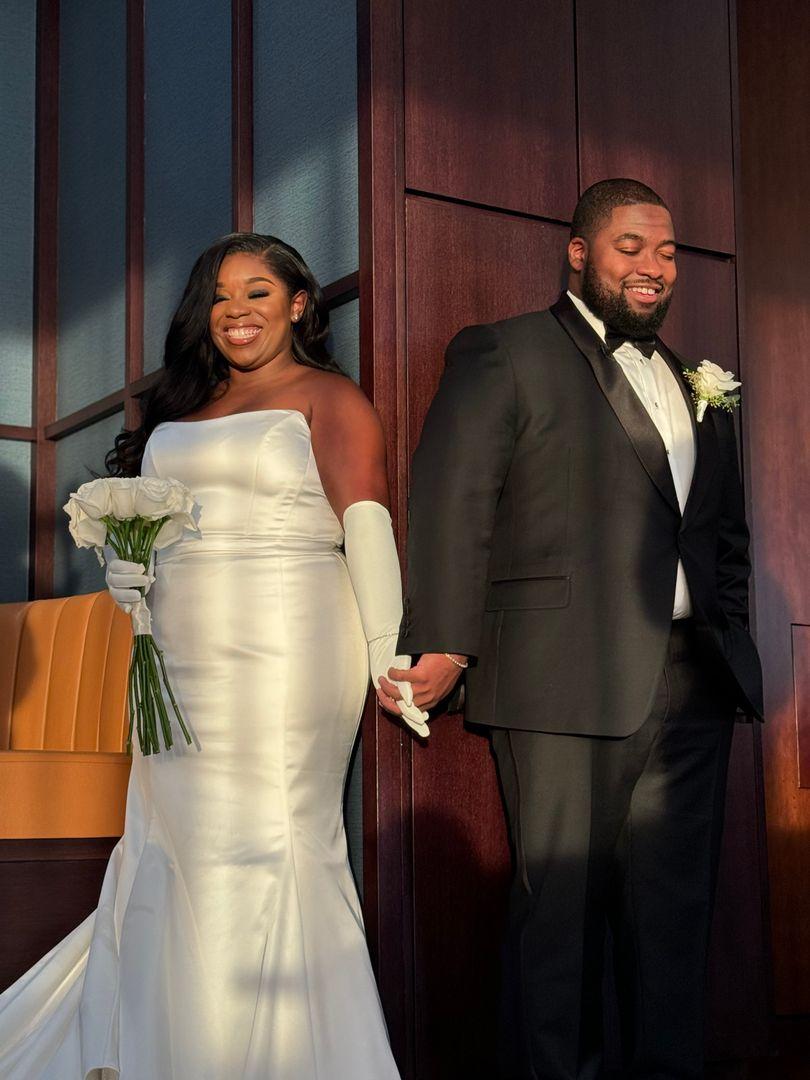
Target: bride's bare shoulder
[336, 399]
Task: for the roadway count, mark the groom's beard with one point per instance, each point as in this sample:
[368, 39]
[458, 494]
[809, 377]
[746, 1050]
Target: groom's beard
[614, 310]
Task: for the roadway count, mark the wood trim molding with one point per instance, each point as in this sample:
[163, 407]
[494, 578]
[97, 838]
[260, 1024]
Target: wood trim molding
[135, 196]
[387, 800]
[18, 432]
[342, 291]
[86, 416]
[760, 1024]
[242, 113]
[145, 383]
[46, 190]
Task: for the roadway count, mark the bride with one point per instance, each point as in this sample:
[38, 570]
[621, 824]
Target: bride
[228, 941]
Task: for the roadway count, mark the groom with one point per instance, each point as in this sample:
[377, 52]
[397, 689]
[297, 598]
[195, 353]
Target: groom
[577, 538]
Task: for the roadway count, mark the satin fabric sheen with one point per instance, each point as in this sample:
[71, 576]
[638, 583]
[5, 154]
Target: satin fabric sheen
[229, 941]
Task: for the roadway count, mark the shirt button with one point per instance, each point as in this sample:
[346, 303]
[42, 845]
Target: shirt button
[656, 404]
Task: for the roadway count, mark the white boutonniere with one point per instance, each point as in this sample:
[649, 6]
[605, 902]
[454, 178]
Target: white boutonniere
[712, 386]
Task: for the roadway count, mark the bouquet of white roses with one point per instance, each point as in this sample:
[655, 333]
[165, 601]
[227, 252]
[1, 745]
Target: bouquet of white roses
[136, 516]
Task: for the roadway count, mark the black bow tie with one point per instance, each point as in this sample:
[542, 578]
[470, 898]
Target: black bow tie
[614, 340]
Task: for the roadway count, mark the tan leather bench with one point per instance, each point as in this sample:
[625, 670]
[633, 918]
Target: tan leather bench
[63, 674]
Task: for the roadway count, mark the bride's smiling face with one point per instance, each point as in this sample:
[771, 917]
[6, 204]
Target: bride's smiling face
[252, 314]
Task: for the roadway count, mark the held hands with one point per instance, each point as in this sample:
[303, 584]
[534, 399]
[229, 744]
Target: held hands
[381, 658]
[371, 558]
[430, 681]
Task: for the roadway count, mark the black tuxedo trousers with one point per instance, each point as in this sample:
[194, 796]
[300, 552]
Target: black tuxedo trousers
[622, 832]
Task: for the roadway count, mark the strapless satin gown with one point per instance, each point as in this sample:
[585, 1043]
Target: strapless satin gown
[228, 941]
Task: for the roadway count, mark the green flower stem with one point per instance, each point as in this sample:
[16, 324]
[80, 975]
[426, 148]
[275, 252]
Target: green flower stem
[155, 701]
[143, 700]
[157, 697]
[133, 698]
[133, 539]
[132, 711]
[143, 696]
[169, 691]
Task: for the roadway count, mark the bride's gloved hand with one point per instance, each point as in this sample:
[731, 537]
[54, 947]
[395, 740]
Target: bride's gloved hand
[371, 557]
[379, 653]
[124, 580]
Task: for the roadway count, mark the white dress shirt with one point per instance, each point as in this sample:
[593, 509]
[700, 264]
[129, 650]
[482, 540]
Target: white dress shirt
[658, 391]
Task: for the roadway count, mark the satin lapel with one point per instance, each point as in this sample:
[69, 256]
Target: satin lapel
[632, 415]
[706, 448]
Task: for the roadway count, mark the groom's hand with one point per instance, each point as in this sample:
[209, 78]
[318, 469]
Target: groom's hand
[432, 679]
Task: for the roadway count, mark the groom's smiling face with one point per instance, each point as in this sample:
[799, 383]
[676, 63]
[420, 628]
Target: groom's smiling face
[625, 272]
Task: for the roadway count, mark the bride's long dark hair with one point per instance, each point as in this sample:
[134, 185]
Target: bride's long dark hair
[193, 367]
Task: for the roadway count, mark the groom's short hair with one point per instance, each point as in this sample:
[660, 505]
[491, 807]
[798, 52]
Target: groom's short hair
[599, 201]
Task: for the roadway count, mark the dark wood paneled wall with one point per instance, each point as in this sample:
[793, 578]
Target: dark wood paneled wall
[655, 103]
[47, 887]
[461, 862]
[480, 126]
[477, 87]
[774, 75]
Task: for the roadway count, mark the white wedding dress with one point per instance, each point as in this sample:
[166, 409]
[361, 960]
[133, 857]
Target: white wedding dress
[228, 941]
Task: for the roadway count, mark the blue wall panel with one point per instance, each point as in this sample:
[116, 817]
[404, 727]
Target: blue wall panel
[188, 150]
[92, 200]
[344, 337]
[17, 116]
[15, 492]
[305, 139]
[78, 457]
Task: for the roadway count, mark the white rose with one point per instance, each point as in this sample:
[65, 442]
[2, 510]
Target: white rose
[122, 497]
[711, 380]
[93, 498]
[86, 531]
[156, 498]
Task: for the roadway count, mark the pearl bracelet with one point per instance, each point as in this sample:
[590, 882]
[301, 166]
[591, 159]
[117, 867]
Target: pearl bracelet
[458, 663]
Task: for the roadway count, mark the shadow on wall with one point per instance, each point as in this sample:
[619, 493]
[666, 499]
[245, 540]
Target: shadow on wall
[306, 143]
[456, 952]
[13, 536]
[305, 174]
[305, 167]
[77, 577]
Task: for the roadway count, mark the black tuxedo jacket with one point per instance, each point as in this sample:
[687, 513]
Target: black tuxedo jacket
[545, 533]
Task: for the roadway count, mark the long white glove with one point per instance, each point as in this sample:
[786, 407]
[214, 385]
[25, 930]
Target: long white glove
[123, 582]
[371, 556]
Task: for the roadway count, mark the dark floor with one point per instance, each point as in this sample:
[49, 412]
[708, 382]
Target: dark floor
[775, 1068]
[789, 1058]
